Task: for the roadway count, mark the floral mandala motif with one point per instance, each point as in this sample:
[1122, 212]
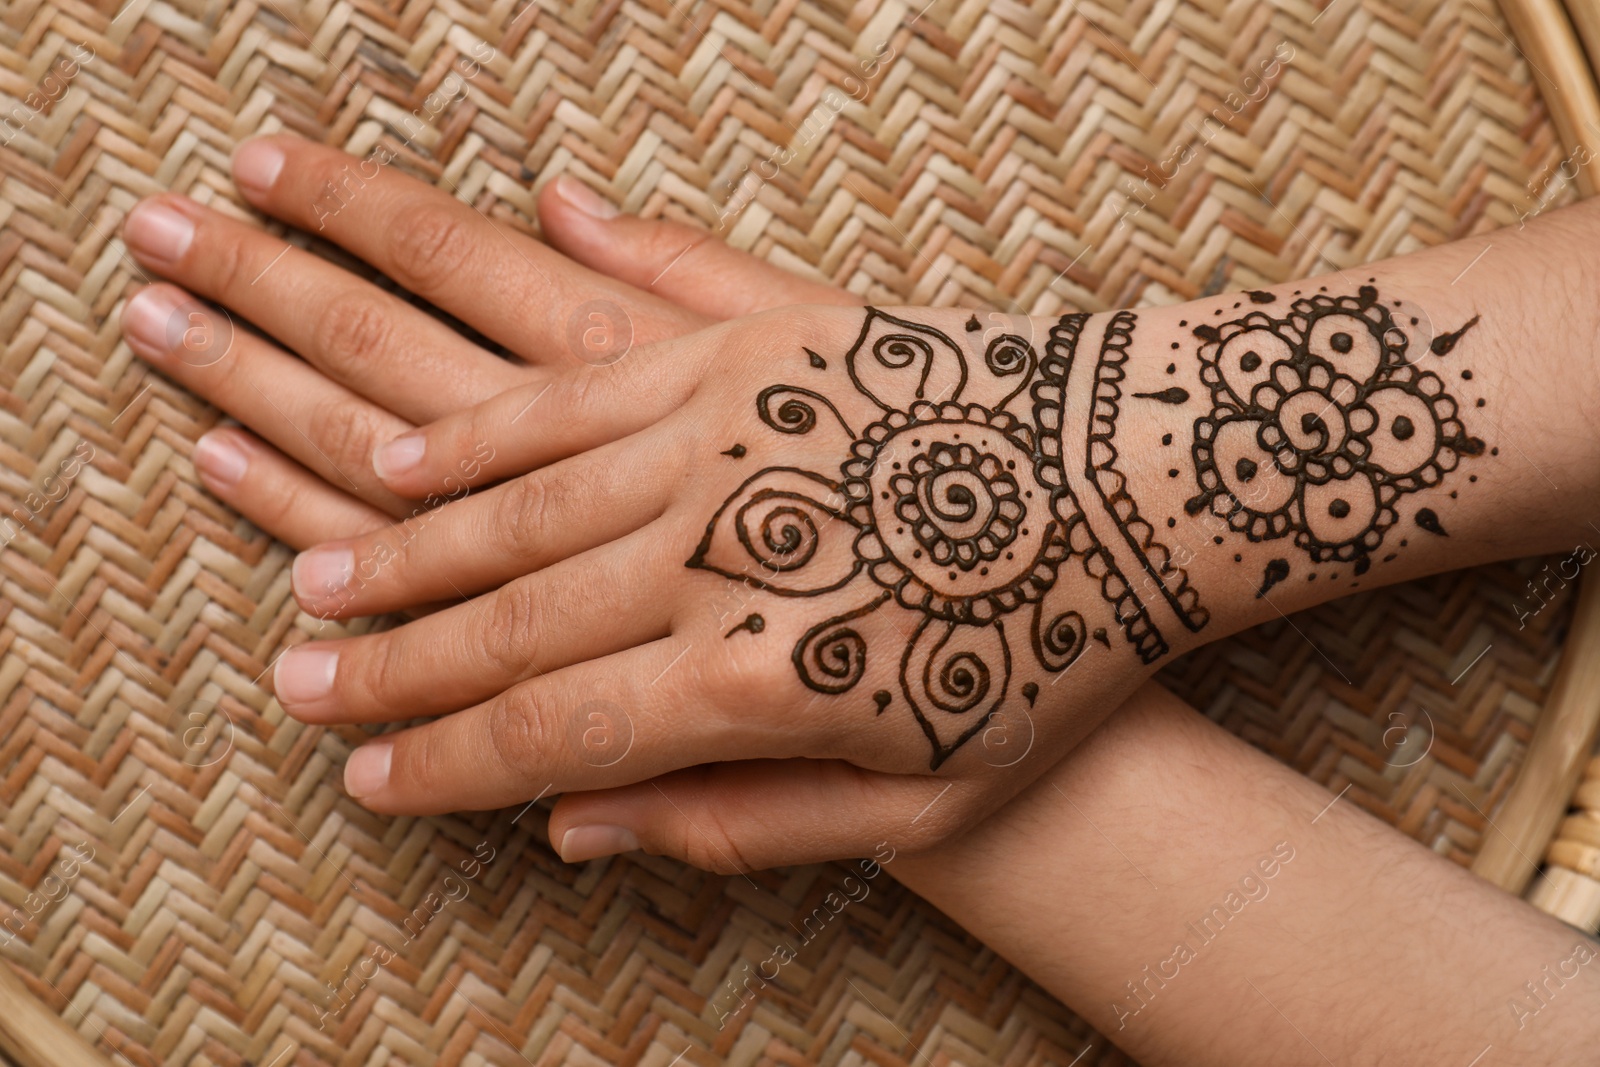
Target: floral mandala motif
[935, 514]
[1320, 423]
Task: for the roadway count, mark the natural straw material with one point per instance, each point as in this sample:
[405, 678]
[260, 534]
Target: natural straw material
[1555, 53]
[34, 1036]
[982, 154]
[1560, 749]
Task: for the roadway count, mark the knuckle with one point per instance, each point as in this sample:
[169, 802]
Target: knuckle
[420, 765]
[518, 730]
[745, 675]
[704, 841]
[428, 249]
[345, 431]
[270, 501]
[374, 668]
[578, 390]
[226, 260]
[352, 330]
[511, 630]
[523, 508]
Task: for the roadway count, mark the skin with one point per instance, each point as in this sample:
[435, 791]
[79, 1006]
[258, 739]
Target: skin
[1116, 836]
[1361, 947]
[600, 476]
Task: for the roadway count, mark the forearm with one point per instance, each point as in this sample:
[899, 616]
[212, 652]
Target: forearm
[1200, 903]
[1256, 453]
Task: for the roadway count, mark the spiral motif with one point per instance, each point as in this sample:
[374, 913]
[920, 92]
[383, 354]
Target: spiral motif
[1060, 641]
[897, 350]
[785, 533]
[831, 657]
[1008, 355]
[791, 416]
[781, 407]
[963, 506]
[838, 659]
[963, 683]
[951, 500]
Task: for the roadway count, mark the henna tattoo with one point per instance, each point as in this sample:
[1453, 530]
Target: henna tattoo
[956, 510]
[832, 657]
[1320, 423]
[1428, 520]
[1445, 343]
[1115, 540]
[779, 510]
[794, 415]
[752, 624]
[1174, 395]
[1276, 571]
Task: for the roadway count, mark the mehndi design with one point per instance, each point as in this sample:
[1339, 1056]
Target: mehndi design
[948, 511]
[986, 503]
[1320, 422]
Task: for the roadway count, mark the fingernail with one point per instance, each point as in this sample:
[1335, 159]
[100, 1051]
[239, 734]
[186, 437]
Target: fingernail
[255, 167]
[584, 198]
[398, 456]
[157, 231]
[146, 321]
[304, 675]
[220, 461]
[591, 842]
[367, 770]
[320, 573]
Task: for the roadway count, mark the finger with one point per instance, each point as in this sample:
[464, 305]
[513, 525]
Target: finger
[357, 334]
[317, 422]
[506, 285]
[540, 738]
[490, 538]
[594, 605]
[277, 494]
[754, 814]
[688, 266]
[534, 425]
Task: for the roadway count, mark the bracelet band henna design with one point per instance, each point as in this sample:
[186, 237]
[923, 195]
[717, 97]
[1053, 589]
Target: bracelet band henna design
[952, 512]
[1113, 539]
[1321, 422]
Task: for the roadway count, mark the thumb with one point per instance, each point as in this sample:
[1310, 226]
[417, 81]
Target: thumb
[754, 814]
[684, 264]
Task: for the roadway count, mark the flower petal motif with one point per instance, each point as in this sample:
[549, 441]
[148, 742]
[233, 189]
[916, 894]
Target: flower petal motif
[896, 363]
[1407, 435]
[1340, 511]
[1248, 470]
[1246, 359]
[785, 531]
[1348, 341]
[954, 676]
[1320, 423]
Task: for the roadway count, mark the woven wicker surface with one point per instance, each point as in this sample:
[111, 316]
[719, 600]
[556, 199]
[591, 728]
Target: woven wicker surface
[224, 878]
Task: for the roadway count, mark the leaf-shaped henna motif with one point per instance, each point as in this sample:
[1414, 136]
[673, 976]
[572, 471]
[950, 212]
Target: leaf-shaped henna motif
[831, 657]
[896, 363]
[785, 531]
[954, 676]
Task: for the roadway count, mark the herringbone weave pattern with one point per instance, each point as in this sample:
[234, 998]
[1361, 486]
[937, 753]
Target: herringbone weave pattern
[185, 877]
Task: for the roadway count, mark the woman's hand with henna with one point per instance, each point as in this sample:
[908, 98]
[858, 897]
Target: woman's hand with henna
[825, 577]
